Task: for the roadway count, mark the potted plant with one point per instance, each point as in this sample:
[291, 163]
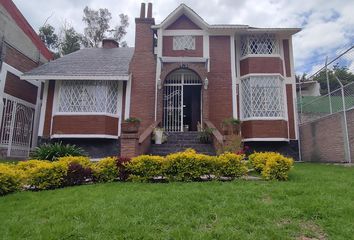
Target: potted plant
[231, 126]
[131, 125]
[206, 135]
[159, 135]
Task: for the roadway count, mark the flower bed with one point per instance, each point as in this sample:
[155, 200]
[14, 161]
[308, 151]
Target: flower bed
[182, 166]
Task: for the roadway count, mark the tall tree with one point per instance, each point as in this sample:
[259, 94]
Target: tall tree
[49, 37]
[97, 24]
[70, 40]
[121, 30]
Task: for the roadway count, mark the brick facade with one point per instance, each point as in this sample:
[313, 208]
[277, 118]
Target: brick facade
[167, 50]
[18, 60]
[291, 113]
[183, 22]
[20, 89]
[48, 110]
[82, 124]
[261, 65]
[265, 129]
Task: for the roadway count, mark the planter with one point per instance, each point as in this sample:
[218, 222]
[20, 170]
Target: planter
[158, 136]
[130, 127]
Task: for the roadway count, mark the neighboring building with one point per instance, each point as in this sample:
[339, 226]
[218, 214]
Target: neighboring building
[308, 88]
[20, 51]
[181, 73]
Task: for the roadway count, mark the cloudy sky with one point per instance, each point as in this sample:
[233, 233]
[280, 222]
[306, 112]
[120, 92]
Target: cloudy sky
[328, 25]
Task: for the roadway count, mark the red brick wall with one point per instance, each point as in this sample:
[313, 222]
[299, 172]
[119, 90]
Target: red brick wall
[290, 105]
[89, 124]
[183, 22]
[168, 51]
[48, 110]
[287, 57]
[18, 60]
[261, 65]
[20, 88]
[219, 91]
[264, 129]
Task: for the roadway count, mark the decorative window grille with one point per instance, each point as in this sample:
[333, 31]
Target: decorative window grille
[88, 97]
[259, 44]
[184, 42]
[262, 97]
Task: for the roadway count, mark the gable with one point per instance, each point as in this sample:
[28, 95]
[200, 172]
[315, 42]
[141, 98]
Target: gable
[183, 22]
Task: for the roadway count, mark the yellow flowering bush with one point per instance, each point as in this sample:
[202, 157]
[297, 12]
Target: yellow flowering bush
[145, 167]
[79, 170]
[43, 174]
[230, 165]
[83, 161]
[188, 165]
[10, 179]
[105, 170]
[271, 165]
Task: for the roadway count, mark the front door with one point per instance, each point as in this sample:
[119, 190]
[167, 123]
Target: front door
[182, 101]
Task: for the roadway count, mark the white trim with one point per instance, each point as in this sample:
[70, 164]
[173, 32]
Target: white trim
[183, 32]
[264, 119]
[60, 77]
[261, 74]
[183, 59]
[19, 100]
[85, 114]
[120, 105]
[43, 109]
[83, 136]
[55, 102]
[292, 71]
[233, 76]
[158, 67]
[128, 91]
[260, 55]
[206, 53]
[238, 74]
[265, 140]
[36, 119]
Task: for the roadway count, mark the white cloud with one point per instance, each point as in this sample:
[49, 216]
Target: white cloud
[328, 26]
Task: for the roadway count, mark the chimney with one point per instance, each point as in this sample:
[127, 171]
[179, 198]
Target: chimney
[142, 10]
[109, 43]
[149, 13]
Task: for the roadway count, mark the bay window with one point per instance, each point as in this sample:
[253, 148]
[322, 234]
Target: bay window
[265, 44]
[262, 97]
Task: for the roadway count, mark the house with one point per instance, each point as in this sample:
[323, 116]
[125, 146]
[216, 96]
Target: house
[20, 51]
[182, 72]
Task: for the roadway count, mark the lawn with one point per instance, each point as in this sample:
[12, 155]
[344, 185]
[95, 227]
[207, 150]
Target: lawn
[317, 202]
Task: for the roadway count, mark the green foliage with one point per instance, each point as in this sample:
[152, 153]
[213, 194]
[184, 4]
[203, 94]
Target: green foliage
[233, 144]
[145, 167]
[105, 170]
[43, 174]
[10, 179]
[231, 122]
[82, 160]
[272, 165]
[231, 165]
[70, 41]
[188, 166]
[48, 36]
[132, 120]
[53, 151]
[206, 135]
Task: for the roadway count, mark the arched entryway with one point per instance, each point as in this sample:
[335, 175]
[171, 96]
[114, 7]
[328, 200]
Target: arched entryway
[182, 101]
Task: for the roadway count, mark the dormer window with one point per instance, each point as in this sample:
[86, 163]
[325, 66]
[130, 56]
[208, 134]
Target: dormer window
[184, 42]
[266, 44]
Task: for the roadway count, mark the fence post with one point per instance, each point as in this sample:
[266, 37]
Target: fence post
[328, 88]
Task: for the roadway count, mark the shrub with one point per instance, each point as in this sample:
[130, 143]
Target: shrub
[10, 179]
[105, 170]
[272, 165]
[132, 120]
[188, 165]
[43, 174]
[234, 145]
[231, 165]
[82, 160]
[123, 173]
[206, 135]
[77, 174]
[277, 167]
[145, 167]
[53, 151]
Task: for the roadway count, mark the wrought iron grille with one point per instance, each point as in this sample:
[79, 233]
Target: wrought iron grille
[184, 42]
[88, 96]
[259, 44]
[262, 97]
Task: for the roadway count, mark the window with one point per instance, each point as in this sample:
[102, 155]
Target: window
[183, 43]
[88, 97]
[262, 97]
[259, 44]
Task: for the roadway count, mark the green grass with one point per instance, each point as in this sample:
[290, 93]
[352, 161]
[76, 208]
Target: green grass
[317, 201]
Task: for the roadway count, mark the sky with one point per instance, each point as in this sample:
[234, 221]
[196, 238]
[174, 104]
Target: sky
[327, 25]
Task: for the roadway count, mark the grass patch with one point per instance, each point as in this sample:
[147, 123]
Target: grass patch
[316, 202]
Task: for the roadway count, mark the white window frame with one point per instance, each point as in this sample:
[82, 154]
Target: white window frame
[183, 45]
[284, 99]
[58, 88]
[245, 42]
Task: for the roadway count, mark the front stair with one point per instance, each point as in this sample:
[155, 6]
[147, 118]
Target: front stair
[180, 141]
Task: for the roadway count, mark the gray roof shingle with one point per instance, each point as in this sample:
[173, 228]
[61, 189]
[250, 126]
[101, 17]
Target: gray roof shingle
[88, 62]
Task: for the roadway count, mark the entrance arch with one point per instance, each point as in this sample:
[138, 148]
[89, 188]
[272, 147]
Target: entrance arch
[182, 101]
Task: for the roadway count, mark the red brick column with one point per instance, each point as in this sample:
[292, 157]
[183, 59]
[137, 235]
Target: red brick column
[129, 145]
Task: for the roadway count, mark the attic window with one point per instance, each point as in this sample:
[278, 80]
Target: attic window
[184, 42]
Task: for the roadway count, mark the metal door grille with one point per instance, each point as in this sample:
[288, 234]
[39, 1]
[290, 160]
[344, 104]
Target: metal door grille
[173, 98]
[16, 127]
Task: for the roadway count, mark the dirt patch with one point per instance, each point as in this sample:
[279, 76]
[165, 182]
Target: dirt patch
[311, 231]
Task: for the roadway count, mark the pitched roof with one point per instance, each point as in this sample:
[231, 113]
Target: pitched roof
[88, 62]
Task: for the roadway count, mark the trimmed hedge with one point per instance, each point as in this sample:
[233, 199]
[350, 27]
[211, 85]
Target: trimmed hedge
[182, 166]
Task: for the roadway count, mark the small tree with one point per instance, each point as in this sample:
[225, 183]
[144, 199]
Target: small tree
[70, 41]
